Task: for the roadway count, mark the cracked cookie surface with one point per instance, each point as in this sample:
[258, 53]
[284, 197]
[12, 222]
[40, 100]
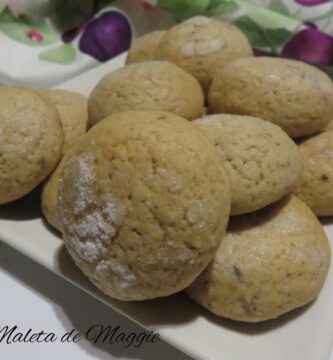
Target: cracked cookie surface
[144, 202]
[296, 96]
[73, 111]
[31, 140]
[143, 48]
[262, 162]
[270, 262]
[49, 196]
[316, 182]
[151, 85]
[202, 46]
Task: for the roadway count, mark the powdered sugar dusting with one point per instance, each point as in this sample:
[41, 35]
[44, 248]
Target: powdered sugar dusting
[83, 184]
[92, 219]
[88, 250]
[94, 226]
[115, 273]
[79, 171]
[90, 236]
[124, 277]
[113, 210]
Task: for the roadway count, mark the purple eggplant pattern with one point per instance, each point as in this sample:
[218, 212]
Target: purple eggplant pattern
[310, 45]
[106, 36]
[311, 2]
[286, 28]
[97, 29]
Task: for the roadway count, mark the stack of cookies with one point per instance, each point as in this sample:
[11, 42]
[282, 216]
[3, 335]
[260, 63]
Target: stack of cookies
[204, 169]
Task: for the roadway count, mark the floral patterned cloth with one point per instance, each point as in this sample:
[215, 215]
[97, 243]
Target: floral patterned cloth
[299, 29]
[44, 42]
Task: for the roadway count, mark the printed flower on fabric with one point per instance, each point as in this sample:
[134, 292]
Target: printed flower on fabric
[107, 36]
[311, 2]
[35, 8]
[27, 30]
[310, 45]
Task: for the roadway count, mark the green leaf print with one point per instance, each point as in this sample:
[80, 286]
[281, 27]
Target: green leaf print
[183, 9]
[26, 30]
[261, 37]
[279, 6]
[267, 18]
[64, 54]
[218, 7]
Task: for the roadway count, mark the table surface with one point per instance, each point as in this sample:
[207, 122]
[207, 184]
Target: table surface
[33, 297]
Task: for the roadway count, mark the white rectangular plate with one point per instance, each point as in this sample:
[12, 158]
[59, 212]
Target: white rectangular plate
[304, 334]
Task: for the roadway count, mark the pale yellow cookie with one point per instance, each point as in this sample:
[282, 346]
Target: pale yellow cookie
[73, 111]
[143, 204]
[151, 85]
[269, 263]
[316, 183]
[49, 196]
[202, 46]
[296, 96]
[143, 48]
[329, 127]
[31, 140]
[262, 162]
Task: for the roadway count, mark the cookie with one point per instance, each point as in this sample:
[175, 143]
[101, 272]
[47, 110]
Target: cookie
[202, 46]
[151, 85]
[262, 162]
[73, 110]
[31, 140]
[143, 48]
[329, 127]
[143, 202]
[296, 96]
[49, 196]
[316, 183]
[269, 263]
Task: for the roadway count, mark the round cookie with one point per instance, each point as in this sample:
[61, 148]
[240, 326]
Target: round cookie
[73, 110]
[143, 203]
[262, 162]
[269, 263]
[151, 85]
[329, 127]
[294, 95]
[143, 48]
[202, 46]
[316, 183]
[31, 140]
[49, 196]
